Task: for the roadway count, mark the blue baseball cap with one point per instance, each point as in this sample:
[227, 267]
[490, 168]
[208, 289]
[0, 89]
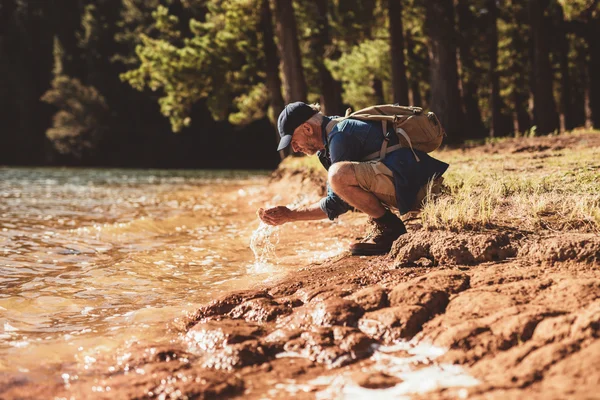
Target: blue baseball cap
[292, 116]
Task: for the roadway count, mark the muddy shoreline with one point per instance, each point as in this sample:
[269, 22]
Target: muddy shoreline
[510, 313]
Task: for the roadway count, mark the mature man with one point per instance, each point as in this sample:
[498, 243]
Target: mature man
[372, 187]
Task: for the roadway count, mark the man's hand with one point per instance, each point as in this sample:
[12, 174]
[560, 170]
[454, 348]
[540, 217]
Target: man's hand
[276, 215]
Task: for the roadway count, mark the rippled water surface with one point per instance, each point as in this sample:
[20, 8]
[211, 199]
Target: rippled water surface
[91, 259]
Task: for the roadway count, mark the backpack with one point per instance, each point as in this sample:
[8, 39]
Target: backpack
[416, 130]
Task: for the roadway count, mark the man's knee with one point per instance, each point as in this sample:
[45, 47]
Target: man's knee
[341, 174]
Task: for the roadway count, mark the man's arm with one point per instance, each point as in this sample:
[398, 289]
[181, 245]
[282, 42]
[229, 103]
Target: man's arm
[344, 147]
[281, 214]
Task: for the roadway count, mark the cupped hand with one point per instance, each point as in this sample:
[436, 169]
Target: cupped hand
[275, 215]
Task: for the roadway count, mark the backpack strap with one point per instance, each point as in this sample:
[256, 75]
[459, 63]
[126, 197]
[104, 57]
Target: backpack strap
[384, 146]
[377, 155]
[386, 140]
[332, 124]
[336, 121]
[402, 132]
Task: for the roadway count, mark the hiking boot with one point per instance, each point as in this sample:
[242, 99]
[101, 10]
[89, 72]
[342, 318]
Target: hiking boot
[380, 240]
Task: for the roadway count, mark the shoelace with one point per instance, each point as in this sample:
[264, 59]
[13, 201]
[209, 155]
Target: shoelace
[373, 231]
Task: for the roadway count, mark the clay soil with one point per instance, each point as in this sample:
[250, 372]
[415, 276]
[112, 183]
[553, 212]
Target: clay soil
[518, 310]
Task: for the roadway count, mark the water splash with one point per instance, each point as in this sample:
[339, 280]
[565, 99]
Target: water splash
[263, 243]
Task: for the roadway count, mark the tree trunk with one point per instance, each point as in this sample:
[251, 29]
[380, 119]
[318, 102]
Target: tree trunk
[294, 82]
[377, 86]
[331, 91]
[473, 121]
[414, 80]
[519, 67]
[581, 86]
[499, 126]
[593, 33]
[273, 82]
[445, 96]
[566, 104]
[589, 30]
[544, 111]
[396, 31]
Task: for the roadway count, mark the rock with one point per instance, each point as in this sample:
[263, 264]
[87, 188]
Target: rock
[573, 377]
[318, 336]
[473, 338]
[391, 323]
[554, 329]
[375, 380]
[524, 365]
[516, 329]
[357, 344]
[448, 248]
[416, 294]
[370, 298]
[332, 357]
[224, 304]
[337, 292]
[191, 383]
[449, 281]
[571, 294]
[424, 262]
[290, 301]
[332, 347]
[476, 303]
[212, 335]
[583, 325]
[583, 247]
[154, 358]
[336, 311]
[321, 293]
[259, 310]
[282, 335]
[318, 346]
[205, 385]
[237, 356]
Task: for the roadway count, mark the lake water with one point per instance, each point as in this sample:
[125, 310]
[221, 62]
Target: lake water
[93, 259]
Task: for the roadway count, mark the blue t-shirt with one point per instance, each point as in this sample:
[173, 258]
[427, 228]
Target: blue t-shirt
[353, 140]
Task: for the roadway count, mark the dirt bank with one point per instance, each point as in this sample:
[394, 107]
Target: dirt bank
[501, 312]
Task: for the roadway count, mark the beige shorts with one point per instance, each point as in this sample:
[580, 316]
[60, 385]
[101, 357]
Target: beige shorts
[375, 177]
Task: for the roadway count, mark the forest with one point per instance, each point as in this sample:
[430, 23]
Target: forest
[198, 83]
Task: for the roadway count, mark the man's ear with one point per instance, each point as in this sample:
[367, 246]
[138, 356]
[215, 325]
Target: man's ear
[308, 129]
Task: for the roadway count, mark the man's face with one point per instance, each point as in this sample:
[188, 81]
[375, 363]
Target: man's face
[306, 140]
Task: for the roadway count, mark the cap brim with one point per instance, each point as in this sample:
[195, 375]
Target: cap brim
[284, 142]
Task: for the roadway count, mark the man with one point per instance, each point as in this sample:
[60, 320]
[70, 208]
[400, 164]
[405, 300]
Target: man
[372, 187]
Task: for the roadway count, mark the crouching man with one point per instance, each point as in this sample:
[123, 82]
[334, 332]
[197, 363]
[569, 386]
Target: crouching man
[394, 180]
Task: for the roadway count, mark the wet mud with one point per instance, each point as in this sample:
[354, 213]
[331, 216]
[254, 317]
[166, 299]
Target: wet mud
[518, 313]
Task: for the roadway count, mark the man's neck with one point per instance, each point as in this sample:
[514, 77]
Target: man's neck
[324, 121]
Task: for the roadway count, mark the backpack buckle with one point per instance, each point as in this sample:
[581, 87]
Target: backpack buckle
[386, 135]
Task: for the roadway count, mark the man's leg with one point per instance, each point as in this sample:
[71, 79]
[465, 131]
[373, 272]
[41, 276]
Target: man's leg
[342, 180]
[364, 186]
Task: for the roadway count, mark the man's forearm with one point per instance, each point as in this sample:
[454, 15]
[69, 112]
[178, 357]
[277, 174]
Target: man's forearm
[312, 212]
